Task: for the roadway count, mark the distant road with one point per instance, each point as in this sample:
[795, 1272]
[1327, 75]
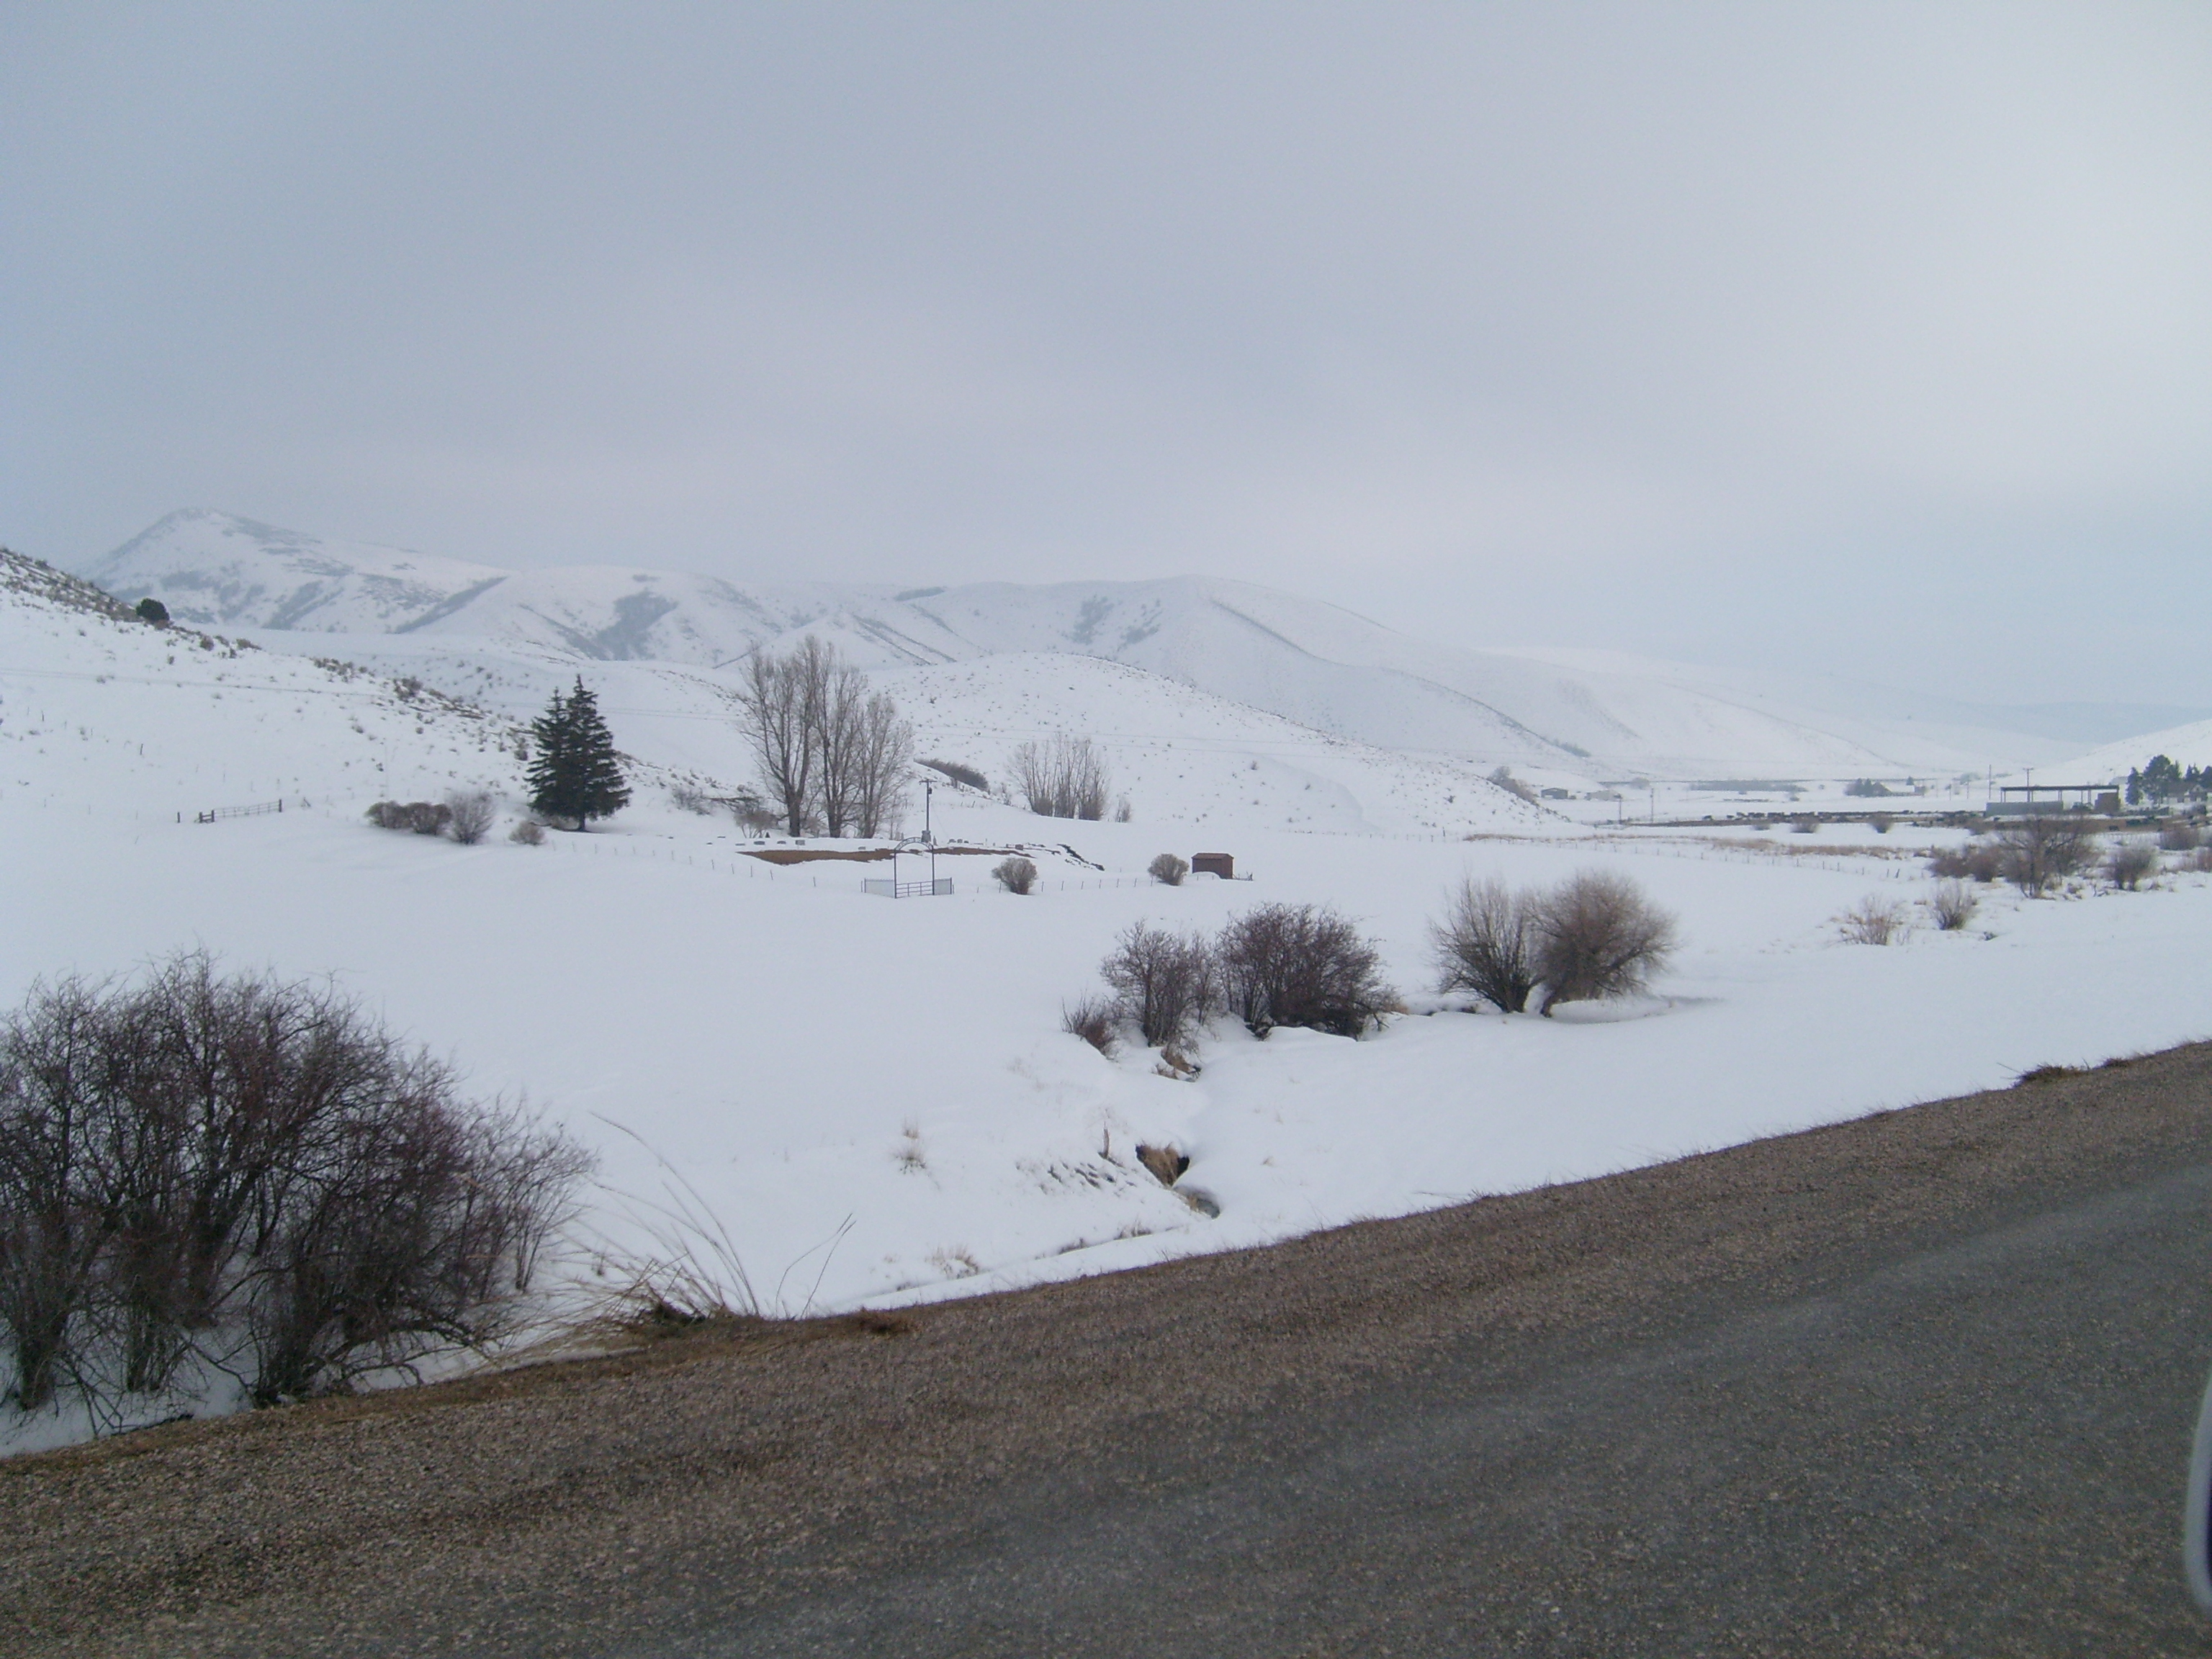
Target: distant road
[1922, 1384]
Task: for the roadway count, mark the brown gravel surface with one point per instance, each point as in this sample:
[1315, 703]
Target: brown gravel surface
[1239, 1453]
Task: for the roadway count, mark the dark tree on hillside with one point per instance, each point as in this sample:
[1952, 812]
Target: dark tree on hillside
[153, 610]
[575, 774]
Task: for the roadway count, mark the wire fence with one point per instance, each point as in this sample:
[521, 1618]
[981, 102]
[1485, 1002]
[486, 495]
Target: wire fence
[216, 814]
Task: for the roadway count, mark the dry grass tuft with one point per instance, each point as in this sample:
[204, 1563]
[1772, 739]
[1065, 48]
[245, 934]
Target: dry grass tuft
[1875, 921]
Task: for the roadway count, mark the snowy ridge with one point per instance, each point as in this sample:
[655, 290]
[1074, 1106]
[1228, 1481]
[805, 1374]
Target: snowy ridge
[2184, 746]
[1315, 663]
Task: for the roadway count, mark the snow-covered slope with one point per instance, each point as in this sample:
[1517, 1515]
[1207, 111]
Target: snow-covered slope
[98, 707]
[1170, 747]
[214, 570]
[2184, 746]
[868, 1099]
[1315, 663]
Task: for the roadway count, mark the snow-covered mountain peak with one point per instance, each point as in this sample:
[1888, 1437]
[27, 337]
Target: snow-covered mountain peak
[1579, 714]
[217, 570]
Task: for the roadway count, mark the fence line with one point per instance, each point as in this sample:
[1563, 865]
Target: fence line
[215, 815]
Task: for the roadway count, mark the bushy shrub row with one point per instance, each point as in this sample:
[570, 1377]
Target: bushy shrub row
[245, 1176]
[1280, 964]
[465, 815]
[2033, 854]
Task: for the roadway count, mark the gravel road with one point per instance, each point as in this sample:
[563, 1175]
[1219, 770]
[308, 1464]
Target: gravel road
[1918, 1384]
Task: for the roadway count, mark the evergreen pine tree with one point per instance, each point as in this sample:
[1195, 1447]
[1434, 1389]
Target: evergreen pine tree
[600, 791]
[575, 774]
[548, 760]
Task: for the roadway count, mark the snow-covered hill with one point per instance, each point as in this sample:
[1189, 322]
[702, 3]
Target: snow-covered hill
[2184, 746]
[100, 709]
[1317, 664]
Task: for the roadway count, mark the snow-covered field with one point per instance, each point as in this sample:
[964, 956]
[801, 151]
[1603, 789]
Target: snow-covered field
[873, 1099]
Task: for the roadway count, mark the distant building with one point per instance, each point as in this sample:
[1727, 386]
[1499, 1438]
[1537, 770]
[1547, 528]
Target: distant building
[2023, 801]
[1214, 863]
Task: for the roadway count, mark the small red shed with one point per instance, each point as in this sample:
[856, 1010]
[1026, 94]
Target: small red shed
[1214, 863]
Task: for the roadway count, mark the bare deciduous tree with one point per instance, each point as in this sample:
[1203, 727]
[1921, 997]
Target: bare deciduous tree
[1487, 943]
[1600, 937]
[836, 711]
[885, 759]
[777, 711]
[831, 754]
[1165, 981]
[1065, 777]
[2036, 853]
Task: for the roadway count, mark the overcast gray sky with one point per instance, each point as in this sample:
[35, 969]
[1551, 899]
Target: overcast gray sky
[1870, 338]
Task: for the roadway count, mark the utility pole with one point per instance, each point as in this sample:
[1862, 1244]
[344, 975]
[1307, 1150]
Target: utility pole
[928, 834]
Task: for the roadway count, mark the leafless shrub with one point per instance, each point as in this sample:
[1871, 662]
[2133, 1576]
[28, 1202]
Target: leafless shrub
[1016, 874]
[423, 817]
[2179, 836]
[1953, 905]
[689, 798]
[1599, 936]
[1064, 778]
[2127, 864]
[1874, 921]
[1092, 1019]
[966, 776]
[1974, 861]
[1301, 964]
[1805, 826]
[2199, 860]
[470, 814]
[1881, 822]
[1168, 869]
[252, 1175]
[1123, 811]
[1165, 982]
[2038, 853]
[528, 833]
[752, 814]
[1503, 778]
[1486, 942]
